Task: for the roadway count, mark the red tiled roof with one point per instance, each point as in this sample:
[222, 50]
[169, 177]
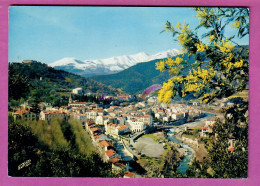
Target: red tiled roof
[129, 174]
[114, 160]
[78, 103]
[231, 149]
[110, 153]
[105, 143]
[21, 112]
[122, 127]
[179, 113]
[94, 129]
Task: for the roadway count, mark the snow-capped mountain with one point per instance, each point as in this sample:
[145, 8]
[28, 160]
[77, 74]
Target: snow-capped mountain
[110, 65]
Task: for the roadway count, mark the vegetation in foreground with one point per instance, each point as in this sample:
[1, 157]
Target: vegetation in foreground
[55, 149]
[220, 70]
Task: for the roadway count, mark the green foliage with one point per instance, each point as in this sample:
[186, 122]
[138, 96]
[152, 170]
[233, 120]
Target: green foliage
[52, 151]
[221, 65]
[219, 71]
[25, 82]
[59, 142]
[138, 77]
[82, 141]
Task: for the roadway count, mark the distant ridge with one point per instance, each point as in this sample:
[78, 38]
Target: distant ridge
[109, 65]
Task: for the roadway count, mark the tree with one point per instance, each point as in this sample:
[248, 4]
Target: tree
[219, 71]
[221, 65]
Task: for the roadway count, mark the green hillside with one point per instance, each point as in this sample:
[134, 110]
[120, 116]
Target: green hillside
[44, 83]
[138, 77]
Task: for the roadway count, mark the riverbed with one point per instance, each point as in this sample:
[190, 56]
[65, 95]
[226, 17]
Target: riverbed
[184, 163]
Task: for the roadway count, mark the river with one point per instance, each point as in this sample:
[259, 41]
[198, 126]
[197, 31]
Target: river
[184, 163]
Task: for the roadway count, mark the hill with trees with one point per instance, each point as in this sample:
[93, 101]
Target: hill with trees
[138, 77]
[39, 82]
[56, 149]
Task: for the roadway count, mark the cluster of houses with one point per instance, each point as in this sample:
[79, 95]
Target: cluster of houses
[176, 112]
[207, 131]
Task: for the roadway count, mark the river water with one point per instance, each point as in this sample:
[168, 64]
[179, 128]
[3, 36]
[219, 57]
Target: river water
[184, 163]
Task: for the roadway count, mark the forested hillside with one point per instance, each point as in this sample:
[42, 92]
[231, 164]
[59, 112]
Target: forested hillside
[38, 81]
[137, 78]
[56, 149]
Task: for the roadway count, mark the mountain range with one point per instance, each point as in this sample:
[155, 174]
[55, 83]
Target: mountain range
[138, 77]
[107, 66]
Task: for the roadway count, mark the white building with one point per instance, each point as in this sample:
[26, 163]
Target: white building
[80, 117]
[135, 126]
[91, 114]
[178, 116]
[77, 91]
[48, 115]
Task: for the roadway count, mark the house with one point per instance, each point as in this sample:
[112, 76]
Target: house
[129, 174]
[204, 131]
[109, 154]
[80, 117]
[48, 115]
[78, 104]
[102, 137]
[91, 115]
[24, 114]
[231, 143]
[210, 122]
[122, 129]
[146, 119]
[120, 120]
[105, 145]
[135, 126]
[166, 119]
[77, 91]
[178, 116]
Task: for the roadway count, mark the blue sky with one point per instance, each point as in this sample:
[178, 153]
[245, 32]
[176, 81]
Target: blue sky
[47, 34]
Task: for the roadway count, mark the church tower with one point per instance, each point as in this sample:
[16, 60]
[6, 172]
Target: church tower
[70, 99]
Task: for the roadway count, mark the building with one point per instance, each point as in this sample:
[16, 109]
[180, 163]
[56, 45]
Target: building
[78, 104]
[178, 116]
[135, 126]
[29, 61]
[91, 115]
[77, 91]
[80, 117]
[48, 115]
[24, 114]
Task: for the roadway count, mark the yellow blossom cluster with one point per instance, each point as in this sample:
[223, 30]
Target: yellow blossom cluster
[206, 97]
[226, 47]
[196, 80]
[201, 47]
[178, 26]
[170, 62]
[227, 61]
[239, 64]
[201, 14]
[183, 35]
[166, 92]
[204, 74]
[211, 38]
[236, 24]
[173, 65]
[160, 65]
[173, 70]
